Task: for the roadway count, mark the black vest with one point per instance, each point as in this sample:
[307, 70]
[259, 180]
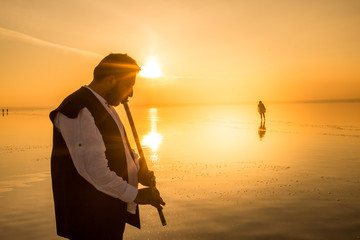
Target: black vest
[81, 210]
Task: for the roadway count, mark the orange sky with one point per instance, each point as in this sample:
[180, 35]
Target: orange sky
[209, 51]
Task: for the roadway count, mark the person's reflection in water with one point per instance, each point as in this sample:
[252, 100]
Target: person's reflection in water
[262, 130]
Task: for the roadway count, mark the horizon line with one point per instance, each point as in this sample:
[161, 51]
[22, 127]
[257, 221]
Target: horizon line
[310, 101]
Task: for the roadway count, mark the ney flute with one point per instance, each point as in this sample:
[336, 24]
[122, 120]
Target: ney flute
[138, 145]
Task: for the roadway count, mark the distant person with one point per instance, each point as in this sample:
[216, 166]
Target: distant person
[94, 171]
[261, 110]
[3, 112]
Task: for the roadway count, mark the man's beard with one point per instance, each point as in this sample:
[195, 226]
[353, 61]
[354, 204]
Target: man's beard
[113, 97]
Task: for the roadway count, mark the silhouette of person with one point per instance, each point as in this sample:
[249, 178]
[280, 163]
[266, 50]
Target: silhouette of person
[3, 112]
[94, 171]
[262, 130]
[261, 110]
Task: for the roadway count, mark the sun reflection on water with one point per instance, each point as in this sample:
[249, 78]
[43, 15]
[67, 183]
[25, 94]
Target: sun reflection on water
[153, 139]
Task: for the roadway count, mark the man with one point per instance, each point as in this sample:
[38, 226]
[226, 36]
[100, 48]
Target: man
[94, 171]
[261, 110]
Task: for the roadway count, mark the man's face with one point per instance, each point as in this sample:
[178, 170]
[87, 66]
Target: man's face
[121, 90]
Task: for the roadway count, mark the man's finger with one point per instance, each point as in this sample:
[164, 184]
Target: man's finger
[159, 200]
[162, 202]
[157, 205]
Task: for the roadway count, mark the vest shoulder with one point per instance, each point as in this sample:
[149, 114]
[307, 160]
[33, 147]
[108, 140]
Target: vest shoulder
[73, 103]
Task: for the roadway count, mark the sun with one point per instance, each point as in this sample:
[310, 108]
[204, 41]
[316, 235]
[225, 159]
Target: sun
[153, 140]
[151, 69]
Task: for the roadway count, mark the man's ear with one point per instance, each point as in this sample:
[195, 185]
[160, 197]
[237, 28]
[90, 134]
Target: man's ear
[110, 80]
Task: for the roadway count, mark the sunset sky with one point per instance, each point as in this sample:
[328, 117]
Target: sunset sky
[209, 51]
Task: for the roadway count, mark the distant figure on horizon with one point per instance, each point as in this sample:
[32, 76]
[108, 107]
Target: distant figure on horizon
[3, 112]
[261, 110]
[94, 171]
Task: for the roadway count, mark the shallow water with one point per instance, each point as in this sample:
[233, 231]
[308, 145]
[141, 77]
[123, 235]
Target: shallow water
[221, 175]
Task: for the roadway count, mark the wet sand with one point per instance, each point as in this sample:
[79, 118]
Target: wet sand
[219, 180]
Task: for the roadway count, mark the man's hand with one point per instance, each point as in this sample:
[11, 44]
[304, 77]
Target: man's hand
[147, 178]
[149, 196]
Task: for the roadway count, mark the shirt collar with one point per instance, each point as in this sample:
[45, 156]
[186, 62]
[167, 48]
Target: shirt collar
[101, 99]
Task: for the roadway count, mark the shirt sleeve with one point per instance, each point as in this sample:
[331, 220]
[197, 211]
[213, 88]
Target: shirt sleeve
[87, 150]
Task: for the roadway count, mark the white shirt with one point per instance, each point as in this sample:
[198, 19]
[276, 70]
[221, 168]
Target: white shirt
[87, 150]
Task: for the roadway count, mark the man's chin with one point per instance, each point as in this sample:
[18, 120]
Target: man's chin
[125, 100]
[114, 103]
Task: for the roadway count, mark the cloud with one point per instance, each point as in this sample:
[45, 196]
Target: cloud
[33, 40]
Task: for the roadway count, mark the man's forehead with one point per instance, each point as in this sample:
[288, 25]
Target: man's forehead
[128, 78]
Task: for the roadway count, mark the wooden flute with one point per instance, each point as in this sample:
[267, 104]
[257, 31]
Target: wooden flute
[143, 163]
